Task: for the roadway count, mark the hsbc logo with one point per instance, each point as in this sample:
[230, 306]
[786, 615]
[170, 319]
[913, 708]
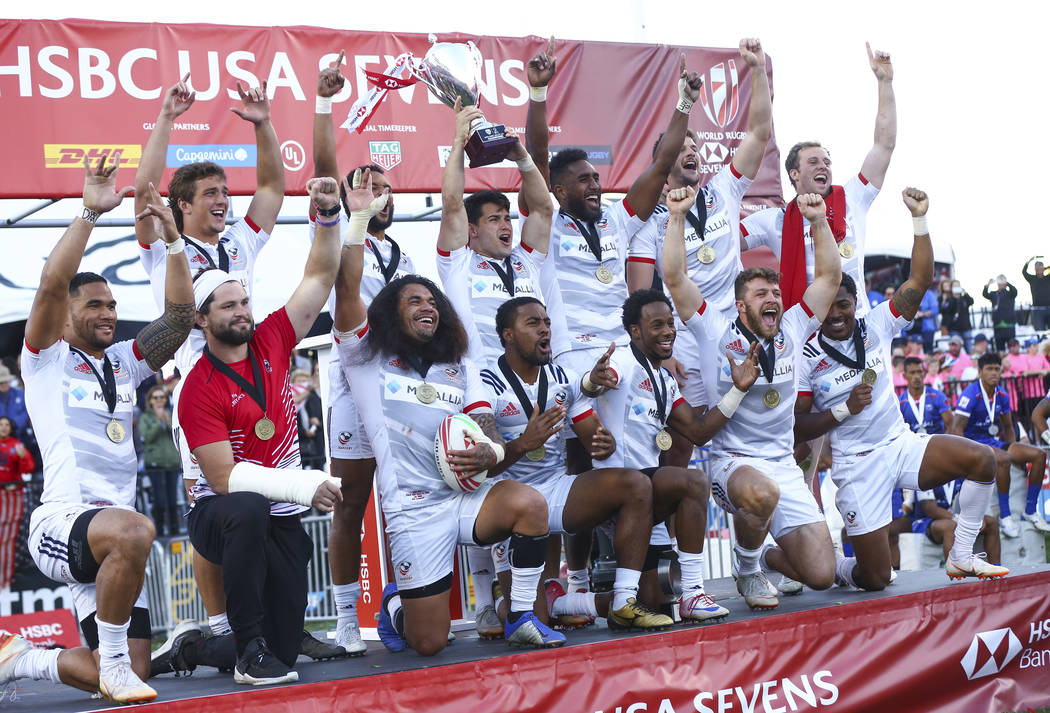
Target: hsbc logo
[990, 652]
[713, 152]
[720, 95]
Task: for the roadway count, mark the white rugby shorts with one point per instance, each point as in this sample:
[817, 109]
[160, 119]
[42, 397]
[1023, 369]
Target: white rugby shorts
[796, 506]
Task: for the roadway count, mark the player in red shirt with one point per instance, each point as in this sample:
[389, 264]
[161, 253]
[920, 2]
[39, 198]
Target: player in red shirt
[239, 422]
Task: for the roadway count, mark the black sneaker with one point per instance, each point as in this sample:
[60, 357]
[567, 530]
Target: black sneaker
[319, 650]
[257, 666]
[170, 656]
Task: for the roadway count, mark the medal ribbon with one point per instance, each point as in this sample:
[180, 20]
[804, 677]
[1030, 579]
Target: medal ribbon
[108, 384]
[590, 234]
[506, 276]
[767, 357]
[858, 347]
[659, 392]
[519, 390]
[920, 412]
[390, 268]
[257, 390]
[698, 223]
[420, 365]
[990, 407]
[224, 259]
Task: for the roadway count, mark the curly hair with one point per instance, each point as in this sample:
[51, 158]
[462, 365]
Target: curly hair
[385, 336]
[632, 308]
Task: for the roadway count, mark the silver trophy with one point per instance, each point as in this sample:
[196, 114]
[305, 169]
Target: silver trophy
[453, 70]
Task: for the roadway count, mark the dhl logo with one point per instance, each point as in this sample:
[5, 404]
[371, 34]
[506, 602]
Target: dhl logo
[72, 155]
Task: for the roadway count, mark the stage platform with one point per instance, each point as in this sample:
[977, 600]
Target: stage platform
[924, 644]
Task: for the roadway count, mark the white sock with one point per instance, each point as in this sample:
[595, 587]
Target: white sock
[973, 501]
[523, 584]
[39, 665]
[578, 580]
[112, 644]
[219, 625]
[692, 564]
[747, 560]
[346, 596]
[844, 570]
[624, 587]
[577, 603]
[482, 575]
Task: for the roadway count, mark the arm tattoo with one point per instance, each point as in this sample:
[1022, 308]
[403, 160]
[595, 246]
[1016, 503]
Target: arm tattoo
[488, 425]
[159, 339]
[907, 300]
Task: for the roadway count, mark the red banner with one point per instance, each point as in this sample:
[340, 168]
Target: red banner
[46, 629]
[80, 88]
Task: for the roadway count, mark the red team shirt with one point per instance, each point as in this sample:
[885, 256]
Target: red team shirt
[213, 408]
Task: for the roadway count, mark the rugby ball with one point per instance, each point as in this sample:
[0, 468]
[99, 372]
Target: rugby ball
[457, 432]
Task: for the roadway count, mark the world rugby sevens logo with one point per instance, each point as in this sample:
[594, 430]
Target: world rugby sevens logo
[720, 95]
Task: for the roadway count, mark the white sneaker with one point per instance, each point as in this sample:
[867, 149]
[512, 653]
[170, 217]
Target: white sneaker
[488, 624]
[1036, 520]
[975, 566]
[348, 636]
[1009, 526]
[789, 587]
[12, 646]
[893, 575]
[700, 608]
[758, 593]
[120, 685]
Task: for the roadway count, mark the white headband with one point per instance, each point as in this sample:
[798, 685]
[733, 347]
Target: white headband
[208, 282]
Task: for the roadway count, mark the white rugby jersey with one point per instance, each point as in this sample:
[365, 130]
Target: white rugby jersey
[69, 414]
[630, 412]
[402, 428]
[563, 389]
[372, 277]
[476, 290]
[755, 429]
[830, 383]
[766, 227]
[721, 196]
[585, 312]
[241, 242]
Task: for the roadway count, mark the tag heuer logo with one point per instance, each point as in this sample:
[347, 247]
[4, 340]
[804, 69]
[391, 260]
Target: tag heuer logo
[385, 154]
[990, 652]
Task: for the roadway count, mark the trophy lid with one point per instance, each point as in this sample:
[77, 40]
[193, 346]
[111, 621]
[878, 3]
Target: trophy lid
[451, 70]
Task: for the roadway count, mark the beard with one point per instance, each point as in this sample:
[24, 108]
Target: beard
[234, 336]
[753, 319]
[578, 207]
[377, 224]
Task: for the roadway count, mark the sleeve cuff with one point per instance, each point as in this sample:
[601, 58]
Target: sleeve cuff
[478, 406]
[251, 224]
[806, 309]
[638, 258]
[583, 415]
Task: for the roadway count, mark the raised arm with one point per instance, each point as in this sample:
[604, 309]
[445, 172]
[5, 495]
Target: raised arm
[878, 159]
[686, 295]
[452, 235]
[350, 310]
[536, 231]
[748, 158]
[540, 71]
[177, 100]
[329, 82]
[158, 341]
[269, 170]
[908, 298]
[644, 194]
[322, 263]
[700, 429]
[827, 268]
[50, 309]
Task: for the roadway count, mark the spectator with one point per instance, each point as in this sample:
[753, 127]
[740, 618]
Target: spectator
[898, 371]
[15, 461]
[955, 314]
[914, 346]
[161, 459]
[925, 323]
[956, 360]
[309, 410]
[13, 403]
[980, 346]
[1039, 282]
[1028, 370]
[887, 294]
[1004, 315]
[874, 297]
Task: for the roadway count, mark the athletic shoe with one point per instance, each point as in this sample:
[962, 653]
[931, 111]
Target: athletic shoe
[1036, 520]
[120, 685]
[348, 637]
[319, 650]
[635, 615]
[258, 666]
[758, 593]
[488, 624]
[785, 585]
[12, 646]
[893, 575]
[700, 608]
[789, 587]
[975, 566]
[1009, 526]
[554, 590]
[169, 656]
[530, 631]
[387, 633]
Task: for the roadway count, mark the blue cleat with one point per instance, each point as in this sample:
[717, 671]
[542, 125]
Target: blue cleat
[530, 631]
[387, 633]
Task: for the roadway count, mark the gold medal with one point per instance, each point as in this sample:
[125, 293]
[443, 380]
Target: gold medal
[426, 393]
[706, 254]
[868, 377]
[663, 440]
[772, 398]
[264, 429]
[115, 431]
[536, 454]
[845, 250]
[604, 275]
